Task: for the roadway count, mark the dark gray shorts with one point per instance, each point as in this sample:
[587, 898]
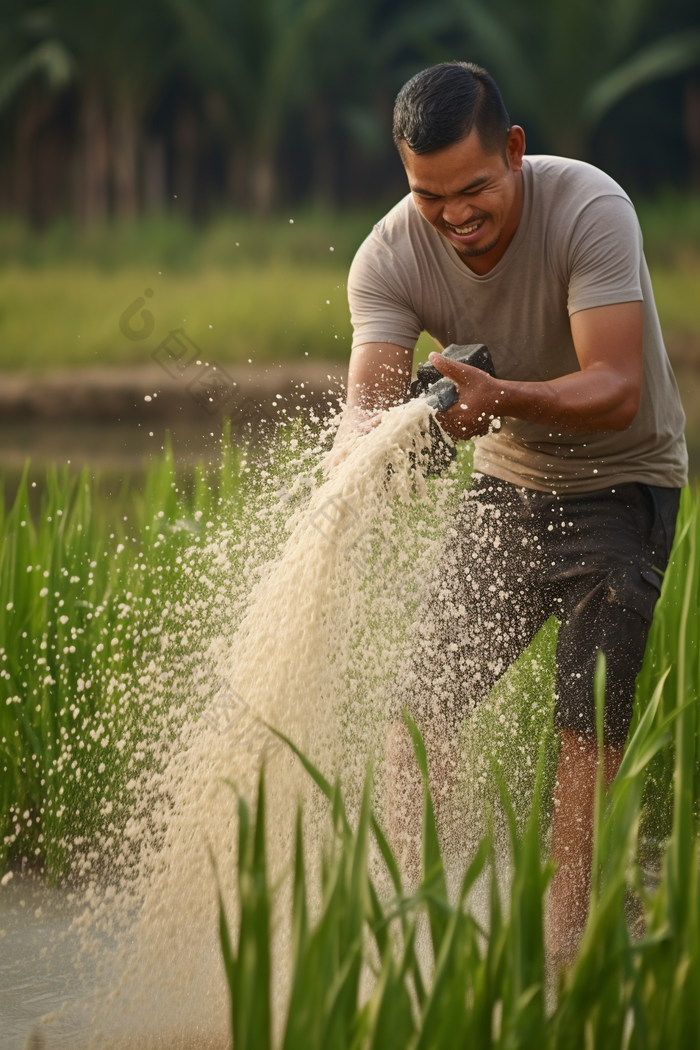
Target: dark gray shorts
[518, 556]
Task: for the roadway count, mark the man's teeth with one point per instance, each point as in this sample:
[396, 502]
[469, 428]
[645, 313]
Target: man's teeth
[468, 229]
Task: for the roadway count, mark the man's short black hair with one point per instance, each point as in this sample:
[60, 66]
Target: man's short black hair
[442, 104]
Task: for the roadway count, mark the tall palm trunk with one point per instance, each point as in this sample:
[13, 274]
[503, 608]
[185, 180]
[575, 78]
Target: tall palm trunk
[32, 115]
[264, 188]
[186, 142]
[155, 174]
[322, 156]
[92, 160]
[124, 159]
[238, 175]
[691, 125]
[568, 140]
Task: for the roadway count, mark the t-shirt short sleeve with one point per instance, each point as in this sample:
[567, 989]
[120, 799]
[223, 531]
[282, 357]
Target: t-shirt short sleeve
[379, 309]
[605, 254]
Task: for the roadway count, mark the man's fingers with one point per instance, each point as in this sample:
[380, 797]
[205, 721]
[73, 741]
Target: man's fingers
[365, 425]
[453, 369]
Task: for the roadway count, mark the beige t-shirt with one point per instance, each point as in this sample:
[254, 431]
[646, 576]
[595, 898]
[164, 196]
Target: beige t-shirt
[578, 246]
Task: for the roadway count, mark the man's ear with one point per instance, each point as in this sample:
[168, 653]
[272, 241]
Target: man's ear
[515, 147]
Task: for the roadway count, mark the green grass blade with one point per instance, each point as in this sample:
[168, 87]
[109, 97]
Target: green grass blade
[433, 886]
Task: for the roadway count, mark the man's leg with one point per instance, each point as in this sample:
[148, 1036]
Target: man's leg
[595, 622]
[607, 551]
[572, 839]
[482, 616]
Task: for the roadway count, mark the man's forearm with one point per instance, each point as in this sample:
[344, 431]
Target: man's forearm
[379, 376]
[593, 400]
[603, 395]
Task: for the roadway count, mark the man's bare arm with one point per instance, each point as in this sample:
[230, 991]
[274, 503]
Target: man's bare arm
[379, 376]
[604, 395]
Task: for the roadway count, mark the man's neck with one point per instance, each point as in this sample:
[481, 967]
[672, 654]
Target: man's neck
[483, 264]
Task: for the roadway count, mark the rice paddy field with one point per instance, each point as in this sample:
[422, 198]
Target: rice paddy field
[86, 596]
[91, 597]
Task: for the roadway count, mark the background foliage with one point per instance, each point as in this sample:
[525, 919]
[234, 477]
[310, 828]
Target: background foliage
[194, 105]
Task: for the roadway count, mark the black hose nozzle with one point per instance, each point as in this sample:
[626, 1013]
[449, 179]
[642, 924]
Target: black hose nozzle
[439, 391]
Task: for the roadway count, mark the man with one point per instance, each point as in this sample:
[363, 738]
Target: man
[578, 476]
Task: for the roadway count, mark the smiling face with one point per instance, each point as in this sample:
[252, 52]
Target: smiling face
[473, 198]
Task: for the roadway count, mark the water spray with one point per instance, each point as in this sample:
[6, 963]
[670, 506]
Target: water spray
[441, 393]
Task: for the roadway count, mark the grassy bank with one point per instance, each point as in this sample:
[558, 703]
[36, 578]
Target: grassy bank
[241, 288]
[70, 317]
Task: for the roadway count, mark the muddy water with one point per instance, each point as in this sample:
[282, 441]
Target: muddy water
[103, 446]
[47, 996]
[39, 953]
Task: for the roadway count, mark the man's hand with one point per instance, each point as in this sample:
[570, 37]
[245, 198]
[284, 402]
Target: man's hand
[603, 395]
[478, 394]
[355, 423]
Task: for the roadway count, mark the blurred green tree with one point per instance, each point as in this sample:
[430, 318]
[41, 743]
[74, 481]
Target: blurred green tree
[566, 63]
[257, 56]
[116, 54]
[123, 51]
[35, 65]
[331, 61]
[29, 49]
[256, 88]
[360, 61]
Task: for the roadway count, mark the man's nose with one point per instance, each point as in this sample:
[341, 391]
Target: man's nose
[456, 213]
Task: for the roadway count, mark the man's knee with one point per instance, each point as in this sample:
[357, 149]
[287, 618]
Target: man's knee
[621, 634]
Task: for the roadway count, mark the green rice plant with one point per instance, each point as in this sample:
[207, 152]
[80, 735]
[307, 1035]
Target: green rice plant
[674, 648]
[488, 982]
[487, 985]
[83, 603]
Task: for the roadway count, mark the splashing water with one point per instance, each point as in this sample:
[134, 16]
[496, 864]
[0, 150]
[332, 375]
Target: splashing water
[307, 624]
[299, 612]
